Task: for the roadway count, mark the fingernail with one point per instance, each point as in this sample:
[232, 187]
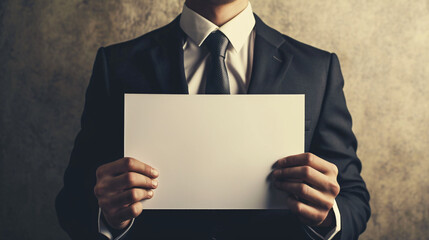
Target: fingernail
[150, 193]
[154, 183]
[154, 172]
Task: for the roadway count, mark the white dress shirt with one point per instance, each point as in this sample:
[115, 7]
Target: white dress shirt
[239, 62]
[239, 54]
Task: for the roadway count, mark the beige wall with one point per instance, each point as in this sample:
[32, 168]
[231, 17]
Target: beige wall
[46, 53]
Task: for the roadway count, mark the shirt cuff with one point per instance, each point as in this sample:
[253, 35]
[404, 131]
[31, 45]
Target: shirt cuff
[331, 234]
[102, 228]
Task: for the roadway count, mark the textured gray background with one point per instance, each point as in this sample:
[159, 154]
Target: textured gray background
[47, 50]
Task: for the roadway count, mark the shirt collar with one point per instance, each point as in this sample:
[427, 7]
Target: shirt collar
[236, 30]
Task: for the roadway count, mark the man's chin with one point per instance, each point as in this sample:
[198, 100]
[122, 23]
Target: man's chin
[220, 2]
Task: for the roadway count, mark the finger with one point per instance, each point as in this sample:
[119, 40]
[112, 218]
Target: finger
[128, 164]
[132, 180]
[129, 212]
[308, 214]
[129, 197]
[304, 173]
[112, 186]
[308, 159]
[303, 191]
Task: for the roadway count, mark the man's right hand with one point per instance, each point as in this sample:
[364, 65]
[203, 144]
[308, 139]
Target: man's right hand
[120, 188]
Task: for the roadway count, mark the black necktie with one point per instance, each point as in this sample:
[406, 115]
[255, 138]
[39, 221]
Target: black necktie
[217, 78]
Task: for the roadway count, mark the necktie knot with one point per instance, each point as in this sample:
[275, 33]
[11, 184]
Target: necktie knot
[217, 43]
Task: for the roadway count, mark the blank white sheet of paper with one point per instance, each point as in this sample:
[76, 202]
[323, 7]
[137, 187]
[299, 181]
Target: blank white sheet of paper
[213, 151]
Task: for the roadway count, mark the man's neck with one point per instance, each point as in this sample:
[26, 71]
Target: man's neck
[218, 12]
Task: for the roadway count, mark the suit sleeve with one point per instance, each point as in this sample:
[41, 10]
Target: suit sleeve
[76, 205]
[334, 141]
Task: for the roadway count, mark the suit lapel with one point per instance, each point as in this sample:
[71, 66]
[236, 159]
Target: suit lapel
[270, 61]
[168, 59]
[270, 64]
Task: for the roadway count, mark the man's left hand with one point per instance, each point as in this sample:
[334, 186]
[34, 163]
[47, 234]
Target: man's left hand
[312, 186]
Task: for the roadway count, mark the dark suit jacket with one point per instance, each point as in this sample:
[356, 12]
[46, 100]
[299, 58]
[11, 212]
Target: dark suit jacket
[153, 63]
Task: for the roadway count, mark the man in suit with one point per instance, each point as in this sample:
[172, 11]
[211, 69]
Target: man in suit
[215, 47]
